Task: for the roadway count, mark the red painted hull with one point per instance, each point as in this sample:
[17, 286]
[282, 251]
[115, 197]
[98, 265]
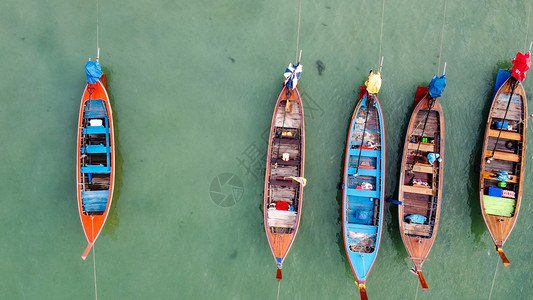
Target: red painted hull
[93, 224]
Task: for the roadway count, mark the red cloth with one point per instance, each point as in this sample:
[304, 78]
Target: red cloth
[364, 147]
[280, 205]
[521, 64]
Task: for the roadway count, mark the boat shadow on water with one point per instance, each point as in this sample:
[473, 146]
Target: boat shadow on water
[340, 233]
[339, 196]
[113, 220]
[393, 170]
[394, 161]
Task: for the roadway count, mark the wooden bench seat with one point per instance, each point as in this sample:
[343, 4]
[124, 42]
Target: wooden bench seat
[290, 162]
[419, 190]
[286, 141]
[426, 147]
[490, 176]
[504, 156]
[287, 183]
[423, 168]
[506, 135]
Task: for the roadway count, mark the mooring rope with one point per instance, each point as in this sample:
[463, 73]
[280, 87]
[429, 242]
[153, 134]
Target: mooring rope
[494, 279]
[279, 284]
[298, 31]
[94, 270]
[417, 286]
[381, 33]
[94, 263]
[442, 33]
[97, 21]
[527, 28]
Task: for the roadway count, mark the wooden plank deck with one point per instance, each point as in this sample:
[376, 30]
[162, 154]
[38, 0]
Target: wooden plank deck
[288, 119]
[423, 168]
[515, 108]
[417, 229]
[419, 190]
[284, 171]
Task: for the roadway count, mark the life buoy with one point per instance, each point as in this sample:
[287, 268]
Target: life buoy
[510, 145]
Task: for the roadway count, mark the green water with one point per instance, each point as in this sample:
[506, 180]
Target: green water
[193, 86]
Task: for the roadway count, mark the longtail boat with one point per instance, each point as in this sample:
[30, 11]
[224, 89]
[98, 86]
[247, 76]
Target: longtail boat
[95, 159]
[503, 158]
[284, 177]
[421, 175]
[364, 183]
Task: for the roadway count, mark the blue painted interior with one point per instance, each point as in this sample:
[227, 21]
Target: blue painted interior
[95, 169]
[95, 130]
[95, 109]
[95, 149]
[94, 200]
[359, 204]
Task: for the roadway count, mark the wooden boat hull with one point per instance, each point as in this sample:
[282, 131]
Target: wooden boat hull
[281, 226]
[420, 190]
[96, 158]
[510, 156]
[363, 208]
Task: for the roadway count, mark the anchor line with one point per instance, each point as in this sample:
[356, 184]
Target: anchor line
[442, 34]
[298, 31]
[381, 32]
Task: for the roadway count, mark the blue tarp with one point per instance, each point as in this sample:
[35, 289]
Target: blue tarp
[432, 157]
[502, 176]
[417, 219]
[93, 70]
[95, 200]
[292, 75]
[503, 75]
[437, 85]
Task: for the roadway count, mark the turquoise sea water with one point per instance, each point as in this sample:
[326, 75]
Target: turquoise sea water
[193, 87]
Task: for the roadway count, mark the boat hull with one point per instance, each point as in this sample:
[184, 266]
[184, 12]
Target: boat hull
[287, 135]
[420, 190]
[510, 156]
[93, 221]
[363, 208]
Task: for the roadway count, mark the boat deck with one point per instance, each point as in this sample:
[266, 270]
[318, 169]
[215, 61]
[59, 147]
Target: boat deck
[503, 151]
[363, 181]
[95, 157]
[421, 178]
[285, 161]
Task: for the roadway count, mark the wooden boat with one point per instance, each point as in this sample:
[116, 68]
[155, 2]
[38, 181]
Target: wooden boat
[420, 190]
[364, 187]
[284, 180]
[95, 167]
[504, 150]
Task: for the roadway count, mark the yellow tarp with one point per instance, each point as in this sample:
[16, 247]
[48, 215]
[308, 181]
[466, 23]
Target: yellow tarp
[373, 84]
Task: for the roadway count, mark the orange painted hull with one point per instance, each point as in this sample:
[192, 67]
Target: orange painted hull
[93, 224]
[280, 244]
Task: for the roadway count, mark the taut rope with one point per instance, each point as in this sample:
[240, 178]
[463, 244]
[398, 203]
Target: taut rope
[298, 32]
[494, 279]
[442, 34]
[381, 32]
